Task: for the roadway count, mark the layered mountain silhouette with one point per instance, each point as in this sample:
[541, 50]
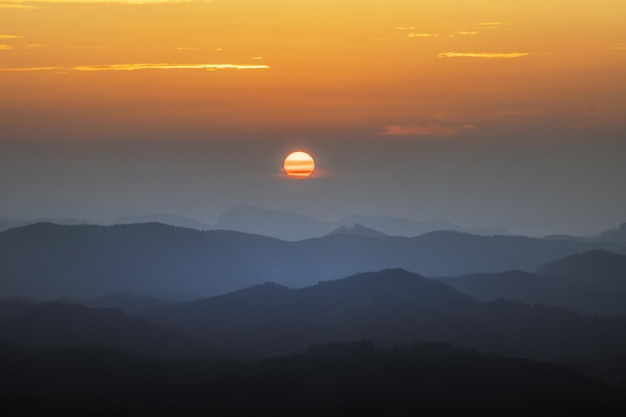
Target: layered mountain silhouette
[396, 307]
[49, 261]
[372, 342]
[593, 282]
[290, 226]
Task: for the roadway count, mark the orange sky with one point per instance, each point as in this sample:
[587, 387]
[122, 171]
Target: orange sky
[481, 112]
[394, 67]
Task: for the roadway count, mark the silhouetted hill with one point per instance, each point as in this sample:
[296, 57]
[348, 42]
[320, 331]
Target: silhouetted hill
[356, 229]
[404, 380]
[393, 307]
[129, 304]
[510, 285]
[279, 224]
[399, 226]
[59, 326]
[169, 219]
[593, 282]
[151, 259]
[290, 226]
[11, 306]
[596, 268]
[617, 235]
[9, 224]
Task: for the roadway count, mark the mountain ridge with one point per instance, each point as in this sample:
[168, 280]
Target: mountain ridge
[47, 261]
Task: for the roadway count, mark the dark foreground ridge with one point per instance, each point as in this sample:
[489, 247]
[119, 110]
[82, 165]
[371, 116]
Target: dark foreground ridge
[329, 380]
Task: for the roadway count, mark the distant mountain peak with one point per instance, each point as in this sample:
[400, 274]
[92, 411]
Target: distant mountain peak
[357, 229]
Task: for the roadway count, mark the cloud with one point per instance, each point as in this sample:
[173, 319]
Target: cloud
[466, 33]
[491, 55]
[16, 6]
[31, 69]
[430, 129]
[10, 37]
[5, 47]
[137, 67]
[493, 24]
[422, 35]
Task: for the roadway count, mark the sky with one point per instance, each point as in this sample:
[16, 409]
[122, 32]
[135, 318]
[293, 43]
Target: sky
[482, 113]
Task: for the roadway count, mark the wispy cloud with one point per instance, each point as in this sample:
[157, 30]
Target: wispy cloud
[490, 55]
[414, 34]
[138, 67]
[32, 69]
[619, 48]
[465, 33]
[429, 129]
[422, 35]
[5, 47]
[16, 6]
[10, 37]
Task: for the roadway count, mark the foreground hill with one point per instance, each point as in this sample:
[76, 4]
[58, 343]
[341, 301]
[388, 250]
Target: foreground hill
[593, 282]
[393, 307]
[345, 379]
[59, 325]
[389, 307]
[50, 261]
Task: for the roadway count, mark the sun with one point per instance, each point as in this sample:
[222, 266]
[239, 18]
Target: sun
[299, 165]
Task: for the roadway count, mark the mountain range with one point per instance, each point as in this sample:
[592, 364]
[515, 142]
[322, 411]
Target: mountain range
[593, 282]
[391, 307]
[275, 223]
[48, 261]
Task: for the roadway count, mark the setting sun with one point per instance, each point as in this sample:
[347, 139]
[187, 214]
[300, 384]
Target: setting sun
[299, 165]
